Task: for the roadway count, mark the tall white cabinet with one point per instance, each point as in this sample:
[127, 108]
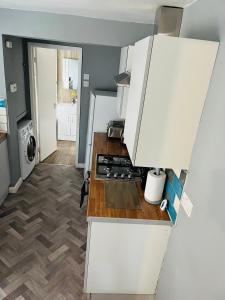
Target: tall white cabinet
[122, 92]
[169, 83]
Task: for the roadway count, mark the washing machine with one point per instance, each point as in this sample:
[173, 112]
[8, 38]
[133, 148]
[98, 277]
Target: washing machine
[27, 147]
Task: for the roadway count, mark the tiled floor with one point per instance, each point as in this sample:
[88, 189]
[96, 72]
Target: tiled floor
[43, 237]
[64, 155]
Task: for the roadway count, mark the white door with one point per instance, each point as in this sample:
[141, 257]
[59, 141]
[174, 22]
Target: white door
[46, 60]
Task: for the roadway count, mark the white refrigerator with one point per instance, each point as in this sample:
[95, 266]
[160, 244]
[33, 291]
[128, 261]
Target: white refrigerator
[102, 109]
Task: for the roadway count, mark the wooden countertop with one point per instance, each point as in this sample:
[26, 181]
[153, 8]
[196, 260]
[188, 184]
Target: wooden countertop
[96, 202]
[3, 136]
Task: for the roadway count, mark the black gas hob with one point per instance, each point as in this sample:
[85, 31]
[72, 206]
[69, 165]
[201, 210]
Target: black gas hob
[116, 167]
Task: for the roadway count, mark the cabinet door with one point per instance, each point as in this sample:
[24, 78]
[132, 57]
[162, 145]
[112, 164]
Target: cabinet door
[140, 66]
[139, 249]
[178, 80]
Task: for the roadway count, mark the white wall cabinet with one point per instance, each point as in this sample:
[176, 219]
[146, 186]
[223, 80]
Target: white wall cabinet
[122, 92]
[169, 83]
[66, 119]
[124, 258]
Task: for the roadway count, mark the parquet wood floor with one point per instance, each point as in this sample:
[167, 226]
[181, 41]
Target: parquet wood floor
[43, 237]
[64, 155]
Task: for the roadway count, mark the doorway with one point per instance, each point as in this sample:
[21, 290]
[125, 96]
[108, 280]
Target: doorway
[55, 82]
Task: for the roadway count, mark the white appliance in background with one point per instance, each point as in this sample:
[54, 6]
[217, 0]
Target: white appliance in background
[27, 147]
[102, 109]
[66, 115]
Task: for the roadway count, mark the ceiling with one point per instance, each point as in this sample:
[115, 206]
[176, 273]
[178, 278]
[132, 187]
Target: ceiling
[140, 11]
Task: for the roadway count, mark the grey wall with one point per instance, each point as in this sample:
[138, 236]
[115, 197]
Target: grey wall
[2, 71]
[194, 267]
[100, 62]
[67, 28]
[16, 102]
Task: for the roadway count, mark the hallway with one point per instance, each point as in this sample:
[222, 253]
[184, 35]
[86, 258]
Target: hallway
[43, 237]
[64, 155]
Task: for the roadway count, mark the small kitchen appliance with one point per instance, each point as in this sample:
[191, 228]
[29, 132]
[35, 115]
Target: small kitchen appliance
[115, 129]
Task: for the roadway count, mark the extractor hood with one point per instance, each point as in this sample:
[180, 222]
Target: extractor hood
[167, 22]
[123, 79]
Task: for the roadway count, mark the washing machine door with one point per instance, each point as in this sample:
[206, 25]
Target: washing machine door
[30, 149]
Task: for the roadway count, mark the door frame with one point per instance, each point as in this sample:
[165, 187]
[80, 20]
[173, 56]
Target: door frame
[34, 99]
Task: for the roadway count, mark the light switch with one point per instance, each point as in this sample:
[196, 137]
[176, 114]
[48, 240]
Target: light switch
[13, 87]
[85, 83]
[9, 44]
[86, 76]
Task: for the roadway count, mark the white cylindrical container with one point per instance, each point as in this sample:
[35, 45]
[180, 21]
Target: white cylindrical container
[154, 186]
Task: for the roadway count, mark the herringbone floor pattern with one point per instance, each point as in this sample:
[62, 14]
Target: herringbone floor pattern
[43, 237]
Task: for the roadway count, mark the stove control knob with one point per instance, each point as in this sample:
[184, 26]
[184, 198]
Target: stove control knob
[130, 176]
[122, 176]
[115, 175]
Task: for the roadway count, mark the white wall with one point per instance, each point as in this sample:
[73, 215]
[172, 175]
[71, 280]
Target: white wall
[194, 267]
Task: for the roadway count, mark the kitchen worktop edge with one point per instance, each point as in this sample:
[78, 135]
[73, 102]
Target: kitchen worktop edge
[3, 136]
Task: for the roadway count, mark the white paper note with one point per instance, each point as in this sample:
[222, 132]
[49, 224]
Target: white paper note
[187, 204]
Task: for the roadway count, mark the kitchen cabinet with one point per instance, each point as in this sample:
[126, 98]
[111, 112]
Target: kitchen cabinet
[124, 257]
[4, 171]
[125, 247]
[122, 92]
[66, 119]
[169, 82]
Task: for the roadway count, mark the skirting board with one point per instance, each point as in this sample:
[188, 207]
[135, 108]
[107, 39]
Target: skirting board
[80, 166]
[14, 189]
[121, 297]
[2, 198]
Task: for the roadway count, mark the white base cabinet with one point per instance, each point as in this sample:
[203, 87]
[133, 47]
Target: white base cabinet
[124, 258]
